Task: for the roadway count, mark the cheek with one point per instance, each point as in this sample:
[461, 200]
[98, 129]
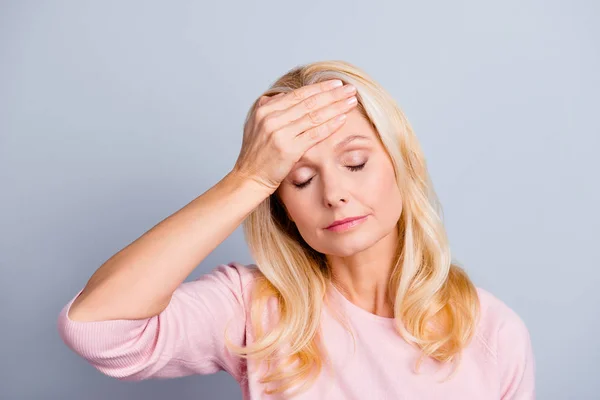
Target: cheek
[381, 186]
[381, 193]
[296, 205]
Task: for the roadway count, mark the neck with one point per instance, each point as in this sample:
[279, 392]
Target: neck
[363, 277]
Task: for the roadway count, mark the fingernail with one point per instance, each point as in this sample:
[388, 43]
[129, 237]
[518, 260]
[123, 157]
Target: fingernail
[349, 88]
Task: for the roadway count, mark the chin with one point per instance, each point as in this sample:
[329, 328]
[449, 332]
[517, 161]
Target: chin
[347, 248]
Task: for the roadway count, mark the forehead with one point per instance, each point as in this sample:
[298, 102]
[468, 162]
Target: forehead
[356, 129]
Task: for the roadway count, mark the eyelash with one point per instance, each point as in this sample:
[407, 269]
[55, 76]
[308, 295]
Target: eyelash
[350, 167]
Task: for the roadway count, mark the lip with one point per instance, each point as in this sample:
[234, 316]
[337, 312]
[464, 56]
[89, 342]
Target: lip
[346, 223]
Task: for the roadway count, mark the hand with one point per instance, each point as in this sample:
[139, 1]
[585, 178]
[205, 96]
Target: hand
[283, 127]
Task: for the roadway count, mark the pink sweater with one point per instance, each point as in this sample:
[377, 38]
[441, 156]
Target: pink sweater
[187, 338]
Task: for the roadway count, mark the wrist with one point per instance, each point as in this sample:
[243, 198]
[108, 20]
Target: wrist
[246, 183]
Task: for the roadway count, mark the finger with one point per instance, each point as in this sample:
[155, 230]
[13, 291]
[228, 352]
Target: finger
[319, 133]
[311, 107]
[297, 95]
[272, 98]
[314, 119]
[267, 98]
[314, 105]
[264, 99]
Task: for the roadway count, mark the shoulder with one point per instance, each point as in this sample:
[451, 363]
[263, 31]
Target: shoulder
[236, 272]
[500, 327]
[228, 283]
[238, 280]
[232, 274]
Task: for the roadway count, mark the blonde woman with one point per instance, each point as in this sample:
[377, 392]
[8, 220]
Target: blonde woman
[353, 294]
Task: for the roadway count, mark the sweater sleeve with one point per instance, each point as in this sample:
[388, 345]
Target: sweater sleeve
[186, 338]
[516, 360]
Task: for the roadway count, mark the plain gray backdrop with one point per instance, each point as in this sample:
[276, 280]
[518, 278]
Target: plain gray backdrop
[114, 114]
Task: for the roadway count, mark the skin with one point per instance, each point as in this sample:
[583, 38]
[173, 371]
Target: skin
[361, 257]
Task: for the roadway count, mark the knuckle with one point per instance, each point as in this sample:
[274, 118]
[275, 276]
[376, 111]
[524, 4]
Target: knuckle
[314, 117]
[316, 133]
[310, 102]
[296, 95]
[263, 100]
[269, 124]
[272, 97]
[260, 113]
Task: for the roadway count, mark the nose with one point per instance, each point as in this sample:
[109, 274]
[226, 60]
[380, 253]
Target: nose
[334, 193]
[333, 203]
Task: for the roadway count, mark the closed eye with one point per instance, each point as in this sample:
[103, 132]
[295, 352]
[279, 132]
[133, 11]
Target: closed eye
[350, 167]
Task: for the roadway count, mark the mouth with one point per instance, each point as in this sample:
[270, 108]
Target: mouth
[346, 223]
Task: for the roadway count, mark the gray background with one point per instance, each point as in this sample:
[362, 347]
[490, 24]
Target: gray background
[116, 114]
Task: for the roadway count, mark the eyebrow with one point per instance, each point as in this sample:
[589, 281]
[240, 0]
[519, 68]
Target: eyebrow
[349, 139]
[342, 143]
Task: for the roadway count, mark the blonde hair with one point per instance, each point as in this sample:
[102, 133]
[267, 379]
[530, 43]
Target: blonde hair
[436, 305]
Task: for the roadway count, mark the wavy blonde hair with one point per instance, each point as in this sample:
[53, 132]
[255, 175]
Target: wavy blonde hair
[436, 305]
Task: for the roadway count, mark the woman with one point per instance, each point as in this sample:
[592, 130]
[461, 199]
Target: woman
[352, 295]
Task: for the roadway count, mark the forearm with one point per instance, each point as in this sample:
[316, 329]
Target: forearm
[138, 281]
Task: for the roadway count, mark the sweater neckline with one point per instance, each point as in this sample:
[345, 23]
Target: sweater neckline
[355, 311]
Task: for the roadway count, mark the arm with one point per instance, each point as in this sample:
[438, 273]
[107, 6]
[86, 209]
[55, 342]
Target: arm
[186, 338]
[135, 318]
[138, 281]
